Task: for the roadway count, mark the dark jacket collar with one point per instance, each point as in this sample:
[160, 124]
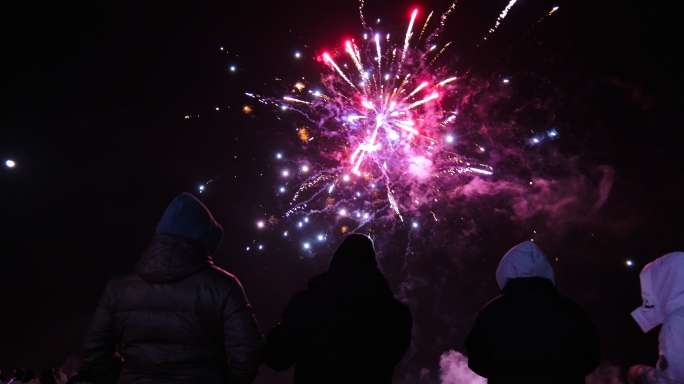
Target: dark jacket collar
[521, 284]
[360, 286]
[171, 258]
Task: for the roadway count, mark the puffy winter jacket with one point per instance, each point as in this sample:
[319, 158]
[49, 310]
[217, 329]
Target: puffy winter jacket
[346, 327]
[531, 334]
[662, 289]
[178, 319]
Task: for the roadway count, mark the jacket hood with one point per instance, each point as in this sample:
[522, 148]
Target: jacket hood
[171, 258]
[358, 287]
[662, 290]
[523, 260]
[355, 250]
[188, 217]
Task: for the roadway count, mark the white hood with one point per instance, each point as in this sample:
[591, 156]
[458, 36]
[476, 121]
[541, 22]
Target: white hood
[523, 260]
[662, 289]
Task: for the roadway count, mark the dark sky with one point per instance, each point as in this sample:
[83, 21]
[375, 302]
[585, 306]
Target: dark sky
[94, 96]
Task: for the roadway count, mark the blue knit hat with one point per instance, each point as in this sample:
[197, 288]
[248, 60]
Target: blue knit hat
[188, 217]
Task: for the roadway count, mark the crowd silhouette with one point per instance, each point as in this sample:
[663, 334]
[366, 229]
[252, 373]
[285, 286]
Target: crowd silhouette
[178, 318]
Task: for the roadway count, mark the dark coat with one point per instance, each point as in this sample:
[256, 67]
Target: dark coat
[346, 327]
[177, 319]
[533, 335]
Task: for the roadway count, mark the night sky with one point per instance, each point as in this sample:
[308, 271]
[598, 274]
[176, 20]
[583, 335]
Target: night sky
[95, 96]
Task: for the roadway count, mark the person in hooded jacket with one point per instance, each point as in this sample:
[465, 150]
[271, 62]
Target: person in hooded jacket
[530, 333]
[346, 327]
[662, 290]
[178, 318]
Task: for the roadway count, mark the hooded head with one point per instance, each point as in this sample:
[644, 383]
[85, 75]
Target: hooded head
[355, 250]
[662, 289]
[523, 260]
[188, 217]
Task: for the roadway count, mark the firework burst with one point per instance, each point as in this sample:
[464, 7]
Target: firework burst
[382, 119]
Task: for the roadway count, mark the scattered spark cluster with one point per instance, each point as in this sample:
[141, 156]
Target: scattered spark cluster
[381, 123]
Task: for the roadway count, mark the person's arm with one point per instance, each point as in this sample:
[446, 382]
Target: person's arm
[243, 340]
[477, 344]
[99, 345]
[286, 340]
[670, 366]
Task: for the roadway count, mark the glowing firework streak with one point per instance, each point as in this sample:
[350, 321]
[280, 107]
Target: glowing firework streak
[286, 98]
[408, 37]
[421, 86]
[330, 60]
[501, 17]
[355, 56]
[449, 80]
[480, 171]
[425, 100]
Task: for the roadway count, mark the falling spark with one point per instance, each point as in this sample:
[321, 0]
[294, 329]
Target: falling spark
[501, 17]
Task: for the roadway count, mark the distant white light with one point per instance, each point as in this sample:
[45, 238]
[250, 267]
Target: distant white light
[415, 225]
[285, 234]
[345, 178]
[555, 8]
[365, 36]
[248, 248]
[358, 214]
[306, 245]
[317, 93]
[393, 135]
[306, 219]
[297, 55]
[217, 108]
[10, 164]
[300, 224]
[365, 215]
[232, 68]
[260, 224]
[279, 155]
[321, 237]
[387, 77]
[201, 188]
[286, 173]
[222, 48]
[535, 140]
[343, 212]
[629, 263]
[506, 81]
[482, 149]
[450, 139]
[283, 107]
[305, 168]
[261, 246]
[372, 185]
[282, 189]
